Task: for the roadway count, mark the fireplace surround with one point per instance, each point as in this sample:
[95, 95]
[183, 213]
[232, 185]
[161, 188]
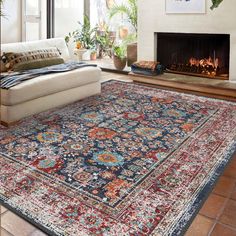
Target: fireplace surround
[204, 55]
[153, 18]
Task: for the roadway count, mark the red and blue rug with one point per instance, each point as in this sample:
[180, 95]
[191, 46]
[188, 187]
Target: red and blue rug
[132, 161]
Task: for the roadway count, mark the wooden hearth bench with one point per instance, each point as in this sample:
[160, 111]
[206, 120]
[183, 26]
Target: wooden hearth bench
[191, 84]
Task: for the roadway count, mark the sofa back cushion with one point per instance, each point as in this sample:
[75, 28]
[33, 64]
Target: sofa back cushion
[31, 60]
[36, 45]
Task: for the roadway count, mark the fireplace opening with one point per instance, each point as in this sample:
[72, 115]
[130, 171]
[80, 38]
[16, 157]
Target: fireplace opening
[204, 55]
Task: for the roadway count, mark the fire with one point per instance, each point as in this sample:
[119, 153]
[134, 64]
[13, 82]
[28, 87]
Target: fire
[204, 62]
[208, 65]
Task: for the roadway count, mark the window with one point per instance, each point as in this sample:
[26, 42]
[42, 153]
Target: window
[67, 15]
[62, 17]
[99, 15]
[34, 20]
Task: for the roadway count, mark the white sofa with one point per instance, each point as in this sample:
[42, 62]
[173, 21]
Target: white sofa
[47, 91]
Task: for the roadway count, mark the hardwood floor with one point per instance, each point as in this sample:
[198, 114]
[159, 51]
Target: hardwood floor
[216, 218]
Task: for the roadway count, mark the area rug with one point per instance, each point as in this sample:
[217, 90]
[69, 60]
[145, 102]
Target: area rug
[132, 161]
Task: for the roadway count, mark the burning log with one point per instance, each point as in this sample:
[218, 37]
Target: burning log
[208, 66]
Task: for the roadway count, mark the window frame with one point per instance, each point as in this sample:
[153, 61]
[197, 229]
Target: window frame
[50, 17]
[31, 19]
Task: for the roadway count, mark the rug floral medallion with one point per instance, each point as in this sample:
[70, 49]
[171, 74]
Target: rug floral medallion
[133, 161]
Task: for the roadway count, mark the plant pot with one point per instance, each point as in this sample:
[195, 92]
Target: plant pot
[93, 56]
[119, 63]
[123, 32]
[112, 36]
[79, 53]
[110, 3]
[86, 55]
[131, 53]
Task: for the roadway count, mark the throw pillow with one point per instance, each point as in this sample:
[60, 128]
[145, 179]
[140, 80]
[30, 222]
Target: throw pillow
[31, 59]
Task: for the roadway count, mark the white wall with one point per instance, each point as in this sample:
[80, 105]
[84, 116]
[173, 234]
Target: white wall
[11, 25]
[152, 18]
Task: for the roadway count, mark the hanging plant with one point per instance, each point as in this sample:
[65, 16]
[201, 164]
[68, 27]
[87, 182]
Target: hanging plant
[215, 3]
[130, 9]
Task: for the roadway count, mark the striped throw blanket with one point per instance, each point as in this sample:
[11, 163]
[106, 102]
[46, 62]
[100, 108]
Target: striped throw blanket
[9, 80]
[149, 65]
[147, 68]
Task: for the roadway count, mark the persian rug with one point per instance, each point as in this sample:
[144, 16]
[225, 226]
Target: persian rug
[134, 161]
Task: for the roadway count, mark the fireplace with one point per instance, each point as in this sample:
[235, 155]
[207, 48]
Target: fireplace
[204, 55]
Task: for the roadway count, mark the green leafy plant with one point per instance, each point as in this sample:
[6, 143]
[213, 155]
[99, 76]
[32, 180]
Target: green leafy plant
[215, 3]
[85, 34]
[130, 39]
[119, 56]
[105, 41]
[120, 51]
[129, 9]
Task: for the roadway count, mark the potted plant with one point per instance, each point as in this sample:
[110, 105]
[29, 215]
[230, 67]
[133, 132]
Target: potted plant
[93, 55]
[129, 10]
[105, 41]
[119, 56]
[84, 37]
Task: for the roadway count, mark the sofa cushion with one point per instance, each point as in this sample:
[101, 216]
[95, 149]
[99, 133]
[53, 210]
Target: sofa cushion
[37, 45]
[49, 84]
[32, 59]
